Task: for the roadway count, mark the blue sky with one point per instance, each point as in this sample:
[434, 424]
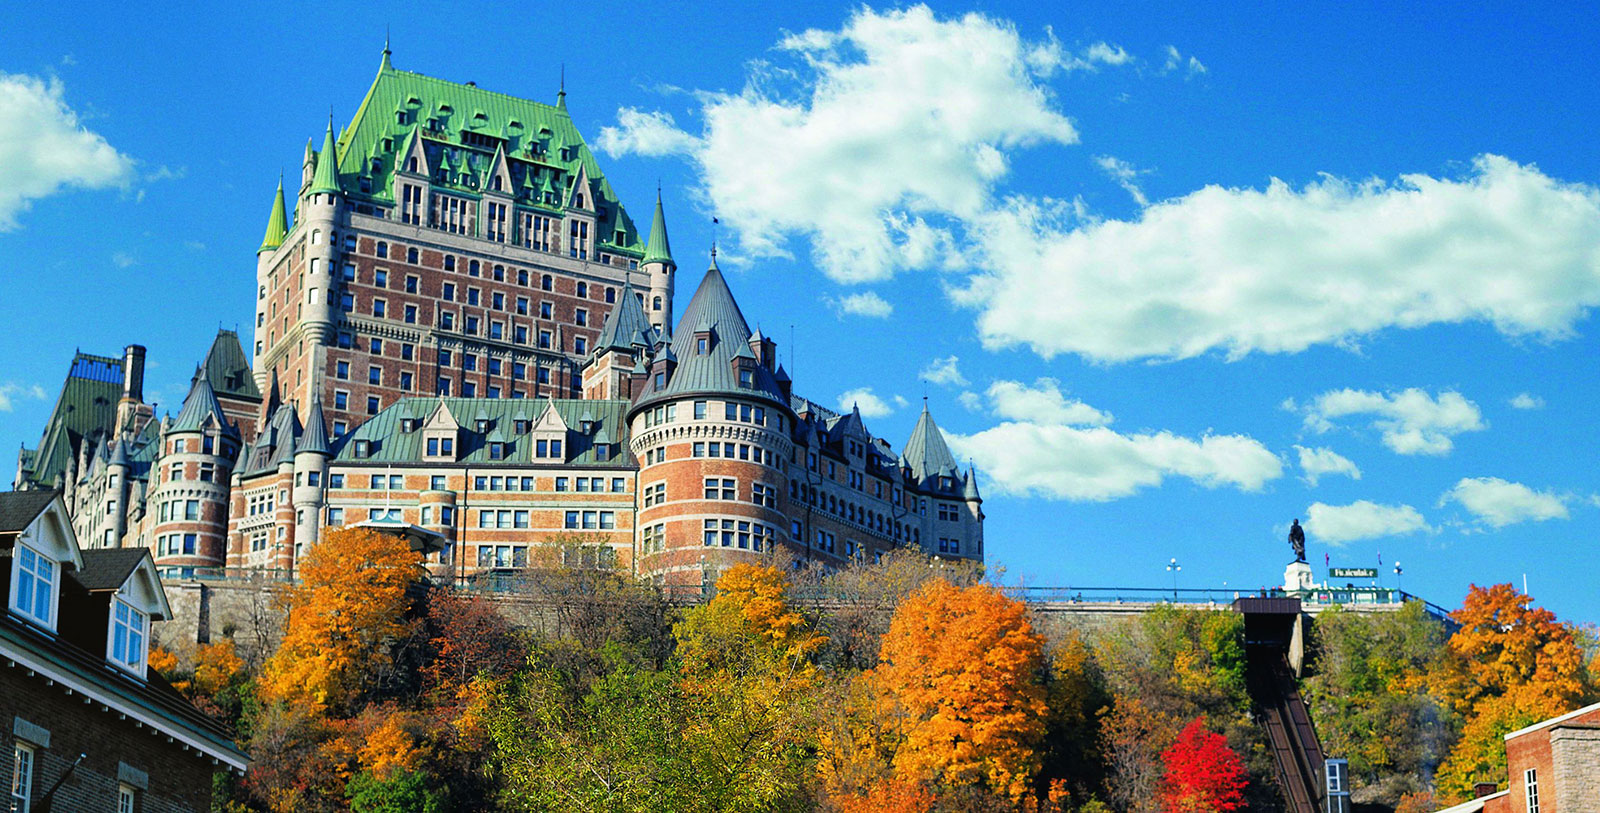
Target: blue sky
[1197, 265]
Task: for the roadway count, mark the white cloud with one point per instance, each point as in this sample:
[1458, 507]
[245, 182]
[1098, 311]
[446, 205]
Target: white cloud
[871, 405]
[123, 259]
[944, 371]
[1498, 503]
[10, 391]
[1177, 61]
[897, 125]
[866, 303]
[1097, 464]
[1055, 447]
[1525, 400]
[1104, 53]
[43, 148]
[1411, 421]
[1042, 403]
[1316, 462]
[652, 134]
[1125, 175]
[1362, 519]
[1278, 270]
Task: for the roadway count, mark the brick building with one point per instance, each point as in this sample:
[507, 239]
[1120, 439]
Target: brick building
[1553, 767]
[461, 329]
[92, 728]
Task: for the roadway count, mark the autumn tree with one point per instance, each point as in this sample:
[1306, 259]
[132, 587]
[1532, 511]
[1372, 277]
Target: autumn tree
[960, 668]
[1203, 775]
[343, 616]
[1510, 664]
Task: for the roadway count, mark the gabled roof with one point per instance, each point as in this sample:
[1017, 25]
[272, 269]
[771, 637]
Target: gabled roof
[713, 309]
[390, 445]
[462, 126]
[87, 407]
[926, 452]
[229, 369]
[108, 568]
[626, 325]
[201, 405]
[18, 509]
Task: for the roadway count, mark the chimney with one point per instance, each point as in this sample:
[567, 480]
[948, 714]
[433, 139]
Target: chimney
[133, 372]
[1483, 789]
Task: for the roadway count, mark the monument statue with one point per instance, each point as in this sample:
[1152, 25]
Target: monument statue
[1297, 540]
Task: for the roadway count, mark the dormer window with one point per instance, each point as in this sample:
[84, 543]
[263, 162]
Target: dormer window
[602, 452]
[702, 344]
[586, 427]
[497, 451]
[128, 637]
[363, 448]
[441, 447]
[521, 427]
[547, 448]
[483, 425]
[33, 588]
[747, 378]
[408, 424]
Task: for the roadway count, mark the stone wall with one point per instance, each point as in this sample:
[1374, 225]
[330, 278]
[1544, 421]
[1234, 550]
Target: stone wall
[1575, 752]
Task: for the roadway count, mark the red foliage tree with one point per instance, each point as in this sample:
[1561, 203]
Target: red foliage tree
[1203, 775]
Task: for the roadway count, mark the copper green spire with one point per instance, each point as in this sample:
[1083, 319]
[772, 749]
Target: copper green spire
[658, 251]
[277, 222]
[326, 178]
[384, 65]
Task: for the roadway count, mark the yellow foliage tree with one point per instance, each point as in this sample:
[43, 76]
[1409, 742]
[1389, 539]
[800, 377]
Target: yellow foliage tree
[961, 667]
[346, 611]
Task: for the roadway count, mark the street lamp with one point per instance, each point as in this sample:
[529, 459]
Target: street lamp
[1173, 567]
[1398, 584]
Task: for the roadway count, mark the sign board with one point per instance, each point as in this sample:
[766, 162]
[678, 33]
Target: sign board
[1352, 573]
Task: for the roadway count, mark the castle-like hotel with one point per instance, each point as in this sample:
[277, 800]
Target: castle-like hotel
[460, 332]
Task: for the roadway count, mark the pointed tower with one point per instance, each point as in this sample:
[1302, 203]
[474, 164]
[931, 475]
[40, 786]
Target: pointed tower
[658, 264]
[321, 204]
[277, 222]
[311, 455]
[626, 339]
[190, 480]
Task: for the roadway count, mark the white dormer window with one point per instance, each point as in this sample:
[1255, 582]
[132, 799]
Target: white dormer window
[33, 586]
[127, 643]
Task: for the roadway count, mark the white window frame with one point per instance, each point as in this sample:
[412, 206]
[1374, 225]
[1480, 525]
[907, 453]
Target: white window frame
[54, 579]
[125, 799]
[23, 759]
[122, 632]
[1530, 787]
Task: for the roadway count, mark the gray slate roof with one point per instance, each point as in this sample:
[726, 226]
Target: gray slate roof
[108, 568]
[19, 508]
[926, 453]
[201, 404]
[712, 308]
[228, 368]
[390, 445]
[626, 325]
[314, 438]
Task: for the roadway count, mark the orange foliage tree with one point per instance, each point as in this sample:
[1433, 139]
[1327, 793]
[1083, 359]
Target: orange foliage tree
[961, 669]
[343, 616]
[1203, 775]
[1510, 665]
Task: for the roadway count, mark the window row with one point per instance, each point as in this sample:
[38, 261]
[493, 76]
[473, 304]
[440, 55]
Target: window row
[180, 509]
[731, 533]
[731, 451]
[590, 520]
[475, 268]
[176, 545]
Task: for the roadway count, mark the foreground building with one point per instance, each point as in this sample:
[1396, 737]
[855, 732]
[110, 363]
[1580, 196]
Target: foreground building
[1552, 767]
[461, 329]
[92, 728]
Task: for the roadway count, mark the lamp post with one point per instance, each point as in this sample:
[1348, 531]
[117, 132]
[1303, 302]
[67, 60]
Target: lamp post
[1173, 567]
[1398, 584]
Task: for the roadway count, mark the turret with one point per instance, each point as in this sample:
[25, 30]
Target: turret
[321, 205]
[659, 265]
[190, 483]
[277, 231]
[311, 455]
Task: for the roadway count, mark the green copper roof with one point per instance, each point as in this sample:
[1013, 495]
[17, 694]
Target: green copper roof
[229, 370]
[277, 222]
[390, 444]
[658, 251]
[926, 452]
[199, 406]
[86, 407]
[461, 127]
[326, 176]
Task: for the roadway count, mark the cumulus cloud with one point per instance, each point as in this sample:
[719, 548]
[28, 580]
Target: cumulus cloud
[944, 371]
[1316, 462]
[870, 403]
[1498, 503]
[1280, 269]
[1049, 445]
[10, 391]
[865, 303]
[44, 148]
[1178, 62]
[1525, 400]
[651, 134]
[823, 152]
[1411, 421]
[1362, 519]
[1042, 403]
[1125, 175]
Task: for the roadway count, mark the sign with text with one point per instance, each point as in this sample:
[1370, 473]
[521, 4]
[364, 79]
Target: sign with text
[1352, 573]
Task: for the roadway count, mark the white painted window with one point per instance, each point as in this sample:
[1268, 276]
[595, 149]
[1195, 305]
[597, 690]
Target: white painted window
[22, 778]
[1530, 783]
[33, 586]
[124, 799]
[128, 637]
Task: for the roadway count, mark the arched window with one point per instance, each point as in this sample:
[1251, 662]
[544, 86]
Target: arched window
[583, 289]
[383, 250]
[316, 237]
[611, 295]
[472, 268]
[656, 305]
[496, 184]
[499, 273]
[449, 263]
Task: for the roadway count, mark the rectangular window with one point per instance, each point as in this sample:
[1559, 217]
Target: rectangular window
[572, 519]
[1530, 782]
[36, 585]
[21, 778]
[127, 637]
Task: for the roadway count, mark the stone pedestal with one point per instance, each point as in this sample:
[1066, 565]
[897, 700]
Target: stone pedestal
[1297, 577]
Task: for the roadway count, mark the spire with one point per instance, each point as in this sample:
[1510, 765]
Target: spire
[384, 65]
[926, 453]
[326, 178]
[561, 95]
[970, 493]
[274, 400]
[315, 436]
[657, 250]
[277, 222]
[626, 325]
[199, 406]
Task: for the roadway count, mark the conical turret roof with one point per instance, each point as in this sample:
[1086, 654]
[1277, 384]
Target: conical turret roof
[326, 178]
[277, 222]
[657, 250]
[713, 309]
[926, 453]
[200, 404]
[970, 492]
[314, 438]
[626, 325]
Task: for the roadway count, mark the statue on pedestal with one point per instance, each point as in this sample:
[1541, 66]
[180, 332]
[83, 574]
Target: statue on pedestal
[1297, 540]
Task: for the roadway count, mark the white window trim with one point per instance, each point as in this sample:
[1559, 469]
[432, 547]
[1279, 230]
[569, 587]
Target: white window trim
[16, 581]
[1530, 789]
[135, 669]
[22, 792]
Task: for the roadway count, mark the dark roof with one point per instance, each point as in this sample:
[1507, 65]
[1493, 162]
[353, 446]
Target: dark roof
[108, 568]
[926, 453]
[19, 508]
[86, 407]
[200, 405]
[228, 369]
[314, 438]
[626, 326]
[712, 308]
